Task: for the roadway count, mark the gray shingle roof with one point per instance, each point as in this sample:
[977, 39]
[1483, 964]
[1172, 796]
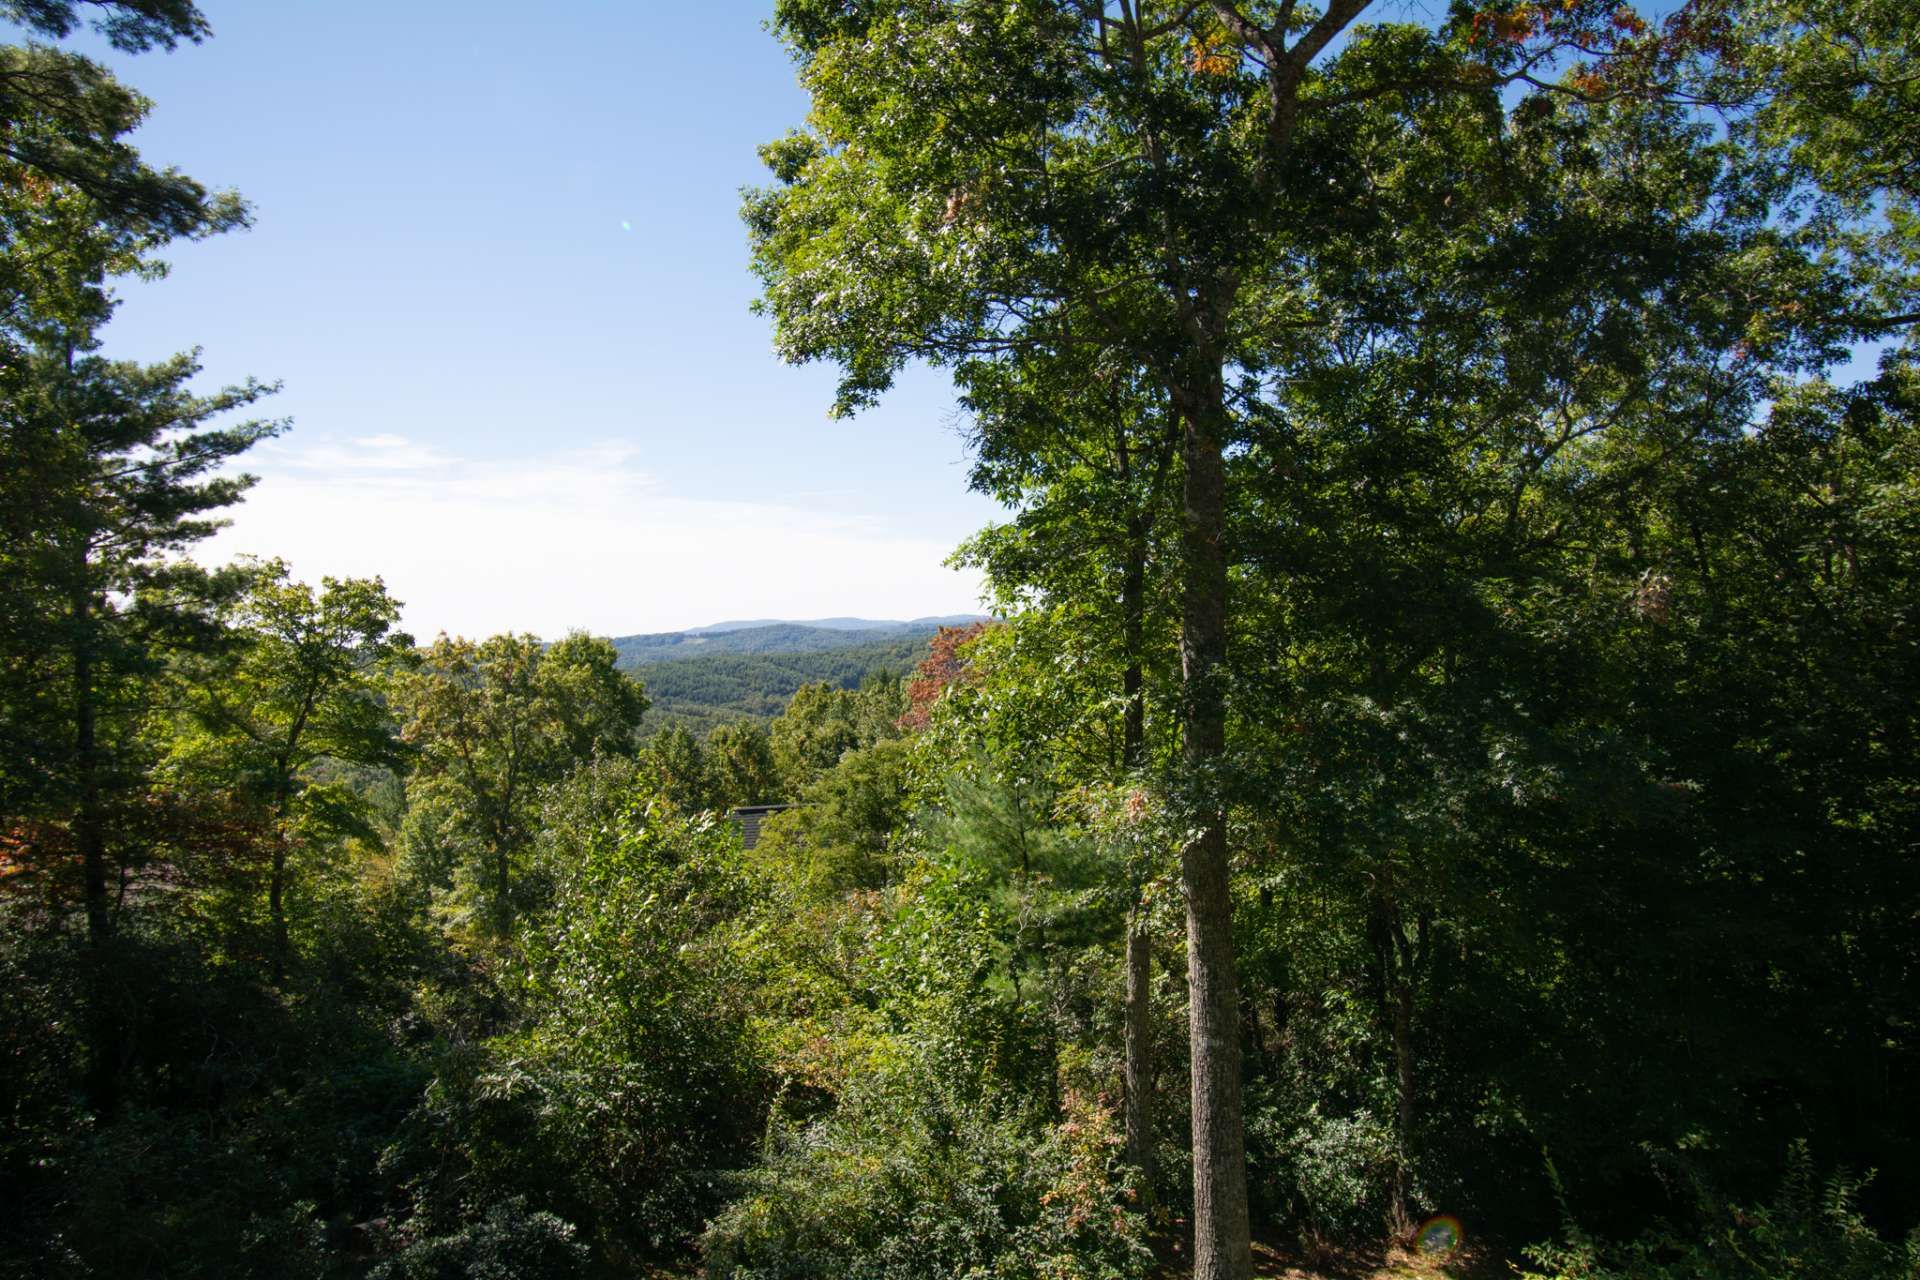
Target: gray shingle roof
[748, 818]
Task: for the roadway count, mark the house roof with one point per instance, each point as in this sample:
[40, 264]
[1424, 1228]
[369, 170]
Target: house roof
[748, 818]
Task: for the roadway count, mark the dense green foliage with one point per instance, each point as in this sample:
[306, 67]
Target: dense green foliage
[754, 685]
[905, 1183]
[1456, 718]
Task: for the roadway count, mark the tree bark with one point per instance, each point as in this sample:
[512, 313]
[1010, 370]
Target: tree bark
[1139, 1069]
[89, 829]
[282, 802]
[277, 906]
[1406, 955]
[1221, 1245]
[1403, 1120]
[503, 872]
[277, 882]
[1139, 999]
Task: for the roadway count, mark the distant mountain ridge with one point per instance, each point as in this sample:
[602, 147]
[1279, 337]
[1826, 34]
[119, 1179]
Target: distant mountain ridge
[836, 624]
[747, 671]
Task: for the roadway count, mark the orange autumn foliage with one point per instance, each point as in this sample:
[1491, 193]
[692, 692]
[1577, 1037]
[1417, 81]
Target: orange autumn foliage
[943, 667]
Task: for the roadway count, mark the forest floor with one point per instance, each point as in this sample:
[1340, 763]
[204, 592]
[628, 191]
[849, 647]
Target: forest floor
[1470, 1262]
[1473, 1262]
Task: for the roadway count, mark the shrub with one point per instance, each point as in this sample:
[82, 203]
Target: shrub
[1810, 1229]
[510, 1242]
[1320, 1144]
[910, 1183]
[177, 1205]
[1328, 1176]
[628, 1083]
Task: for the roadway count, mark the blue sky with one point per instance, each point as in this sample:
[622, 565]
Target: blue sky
[517, 410]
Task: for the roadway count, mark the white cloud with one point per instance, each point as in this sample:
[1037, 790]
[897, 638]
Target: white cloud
[580, 539]
[369, 453]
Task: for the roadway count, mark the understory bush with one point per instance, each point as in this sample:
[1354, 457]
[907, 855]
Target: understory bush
[913, 1183]
[1811, 1228]
[248, 1121]
[510, 1242]
[1329, 1177]
[625, 1089]
[180, 1205]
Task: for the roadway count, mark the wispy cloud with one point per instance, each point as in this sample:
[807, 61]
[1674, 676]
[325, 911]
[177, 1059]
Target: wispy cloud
[586, 538]
[368, 453]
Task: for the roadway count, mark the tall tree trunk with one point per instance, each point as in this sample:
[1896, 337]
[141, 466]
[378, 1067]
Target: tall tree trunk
[1222, 1249]
[502, 874]
[277, 883]
[1139, 1001]
[1139, 1068]
[1403, 1119]
[277, 904]
[1406, 955]
[89, 829]
[282, 802]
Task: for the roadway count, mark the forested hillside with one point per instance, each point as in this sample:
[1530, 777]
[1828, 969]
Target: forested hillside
[1440, 793]
[719, 687]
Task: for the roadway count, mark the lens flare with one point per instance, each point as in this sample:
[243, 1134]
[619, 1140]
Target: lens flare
[1439, 1235]
[626, 226]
